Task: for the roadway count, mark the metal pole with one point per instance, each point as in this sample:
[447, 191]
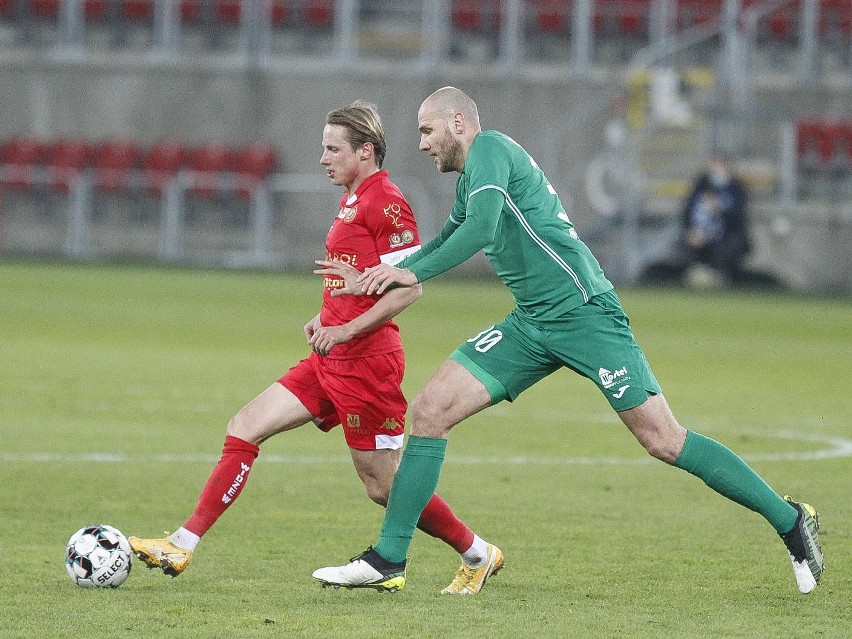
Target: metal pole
[434, 33]
[346, 27]
[510, 34]
[79, 204]
[582, 40]
[166, 29]
[261, 225]
[808, 37]
[662, 20]
[71, 25]
[787, 167]
[171, 223]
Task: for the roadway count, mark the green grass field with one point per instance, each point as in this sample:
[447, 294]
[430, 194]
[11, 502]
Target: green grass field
[117, 384]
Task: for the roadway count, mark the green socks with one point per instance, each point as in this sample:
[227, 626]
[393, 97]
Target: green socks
[727, 474]
[413, 487]
[719, 467]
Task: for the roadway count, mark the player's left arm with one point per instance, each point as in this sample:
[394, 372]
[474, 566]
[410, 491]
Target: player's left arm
[389, 306]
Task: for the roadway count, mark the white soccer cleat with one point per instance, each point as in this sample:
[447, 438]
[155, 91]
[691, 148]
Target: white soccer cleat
[367, 570]
[803, 545]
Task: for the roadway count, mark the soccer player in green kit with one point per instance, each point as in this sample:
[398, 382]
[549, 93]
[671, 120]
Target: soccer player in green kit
[567, 315]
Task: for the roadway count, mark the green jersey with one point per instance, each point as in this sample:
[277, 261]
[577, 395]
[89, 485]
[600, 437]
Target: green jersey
[506, 207]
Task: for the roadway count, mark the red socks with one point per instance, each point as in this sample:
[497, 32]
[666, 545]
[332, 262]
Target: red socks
[438, 520]
[229, 477]
[225, 484]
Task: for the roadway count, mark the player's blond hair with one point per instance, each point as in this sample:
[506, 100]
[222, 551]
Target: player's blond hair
[363, 124]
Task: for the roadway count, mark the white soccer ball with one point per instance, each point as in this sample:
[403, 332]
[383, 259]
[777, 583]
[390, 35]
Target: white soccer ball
[98, 557]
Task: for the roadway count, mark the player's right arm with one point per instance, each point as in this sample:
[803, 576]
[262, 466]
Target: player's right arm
[431, 245]
[469, 237]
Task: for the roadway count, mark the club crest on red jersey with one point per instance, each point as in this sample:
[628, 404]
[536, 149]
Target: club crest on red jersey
[394, 212]
[348, 213]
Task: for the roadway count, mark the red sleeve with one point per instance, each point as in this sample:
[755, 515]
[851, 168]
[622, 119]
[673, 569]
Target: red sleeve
[393, 225]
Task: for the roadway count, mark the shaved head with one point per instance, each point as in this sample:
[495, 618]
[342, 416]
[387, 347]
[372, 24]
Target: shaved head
[449, 101]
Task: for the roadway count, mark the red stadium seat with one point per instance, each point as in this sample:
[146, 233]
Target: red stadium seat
[66, 159]
[633, 16]
[467, 16]
[824, 144]
[20, 157]
[475, 15]
[160, 164]
[621, 17]
[228, 11]
[208, 162]
[832, 145]
[808, 133]
[845, 143]
[95, 9]
[190, 10]
[319, 13]
[44, 9]
[782, 24]
[551, 16]
[252, 164]
[836, 18]
[137, 10]
[281, 11]
[115, 162]
[691, 13]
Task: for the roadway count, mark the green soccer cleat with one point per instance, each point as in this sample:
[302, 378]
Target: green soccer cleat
[162, 554]
[367, 570]
[469, 581]
[803, 545]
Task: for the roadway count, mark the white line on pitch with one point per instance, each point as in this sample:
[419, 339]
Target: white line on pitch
[836, 447]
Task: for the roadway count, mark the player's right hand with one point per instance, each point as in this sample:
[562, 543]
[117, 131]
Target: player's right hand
[312, 327]
[346, 272]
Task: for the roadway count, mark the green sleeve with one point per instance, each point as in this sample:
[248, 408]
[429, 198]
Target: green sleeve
[435, 242]
[476, 232]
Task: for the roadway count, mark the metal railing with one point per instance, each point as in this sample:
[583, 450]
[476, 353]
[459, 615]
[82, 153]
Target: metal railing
[171, 228]
[432, 31]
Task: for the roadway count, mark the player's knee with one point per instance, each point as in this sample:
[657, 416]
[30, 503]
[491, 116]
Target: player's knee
[663, 443]
[426, 414]
[240, 426]
[377, 492]
[660, 449]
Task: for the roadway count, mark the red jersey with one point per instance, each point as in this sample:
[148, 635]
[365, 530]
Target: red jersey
[375, 224]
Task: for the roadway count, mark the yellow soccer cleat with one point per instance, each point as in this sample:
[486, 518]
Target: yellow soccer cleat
[469, 581]
[162, 554]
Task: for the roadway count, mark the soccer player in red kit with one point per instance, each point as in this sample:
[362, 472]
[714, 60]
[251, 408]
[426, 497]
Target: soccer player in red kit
[354, 373]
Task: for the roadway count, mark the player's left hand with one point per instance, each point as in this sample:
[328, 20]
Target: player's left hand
[348, 273]
[326, 337]
[377, 279]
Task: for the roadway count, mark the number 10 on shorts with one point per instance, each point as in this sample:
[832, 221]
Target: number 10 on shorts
[486, 339]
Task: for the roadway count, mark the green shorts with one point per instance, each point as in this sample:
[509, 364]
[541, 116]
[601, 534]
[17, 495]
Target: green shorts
[594, 340]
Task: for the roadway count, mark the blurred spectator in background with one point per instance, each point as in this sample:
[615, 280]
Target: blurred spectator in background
[715, 239]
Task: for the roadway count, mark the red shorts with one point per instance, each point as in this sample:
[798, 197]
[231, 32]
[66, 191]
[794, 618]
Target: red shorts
[363, 394]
